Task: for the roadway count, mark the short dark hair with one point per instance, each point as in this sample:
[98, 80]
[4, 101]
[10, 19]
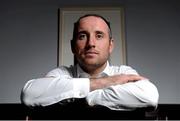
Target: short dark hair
[76, 25]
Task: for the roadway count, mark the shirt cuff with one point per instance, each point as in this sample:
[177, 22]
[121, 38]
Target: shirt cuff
[81, 87]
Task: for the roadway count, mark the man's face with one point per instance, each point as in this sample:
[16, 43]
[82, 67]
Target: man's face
[93, 45]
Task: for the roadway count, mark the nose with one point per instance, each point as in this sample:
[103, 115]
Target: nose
[91, 42]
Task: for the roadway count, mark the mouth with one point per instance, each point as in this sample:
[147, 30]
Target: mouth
[91, 53]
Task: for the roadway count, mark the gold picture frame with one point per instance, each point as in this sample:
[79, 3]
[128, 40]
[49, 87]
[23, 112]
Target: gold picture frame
[67, 17]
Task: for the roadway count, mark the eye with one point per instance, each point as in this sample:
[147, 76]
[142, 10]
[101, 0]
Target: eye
[99, 36]
[82, 36]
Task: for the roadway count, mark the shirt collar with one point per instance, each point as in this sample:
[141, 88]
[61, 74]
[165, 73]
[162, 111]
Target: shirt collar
[82, 74]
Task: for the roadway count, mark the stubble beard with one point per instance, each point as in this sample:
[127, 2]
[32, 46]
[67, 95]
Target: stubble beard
[91, 67]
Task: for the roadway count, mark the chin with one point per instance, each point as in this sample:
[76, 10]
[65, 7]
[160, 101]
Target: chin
[91, 62]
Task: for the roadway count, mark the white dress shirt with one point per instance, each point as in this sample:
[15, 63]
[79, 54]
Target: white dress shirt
[72, 82]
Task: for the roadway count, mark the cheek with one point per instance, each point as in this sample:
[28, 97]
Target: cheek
[79, 47]
[104, 46]
[80, 44]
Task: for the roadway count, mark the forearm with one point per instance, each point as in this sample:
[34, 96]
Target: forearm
[126, 96]
[50, 90]
[100, 83]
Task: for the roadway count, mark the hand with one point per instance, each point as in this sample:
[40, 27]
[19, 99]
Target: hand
[114, 80]
[124, 78]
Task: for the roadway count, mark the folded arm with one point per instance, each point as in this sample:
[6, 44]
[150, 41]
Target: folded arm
[59, 85]
[56, 86]
[125, 96]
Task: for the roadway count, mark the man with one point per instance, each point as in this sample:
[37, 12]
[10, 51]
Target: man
[92, 77]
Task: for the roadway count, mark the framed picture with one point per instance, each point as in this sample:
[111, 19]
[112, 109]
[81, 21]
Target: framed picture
[67, 18]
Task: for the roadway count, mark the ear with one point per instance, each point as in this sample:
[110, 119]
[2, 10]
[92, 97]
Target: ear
[72, 46]
[111, 45]
[73, 51]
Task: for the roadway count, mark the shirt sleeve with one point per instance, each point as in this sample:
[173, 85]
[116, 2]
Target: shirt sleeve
[127, 96]
[56, 86]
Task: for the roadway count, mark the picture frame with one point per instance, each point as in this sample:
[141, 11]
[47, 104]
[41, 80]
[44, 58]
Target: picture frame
[68, 16]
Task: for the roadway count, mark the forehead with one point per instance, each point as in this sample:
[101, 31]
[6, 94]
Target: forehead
[93, 21]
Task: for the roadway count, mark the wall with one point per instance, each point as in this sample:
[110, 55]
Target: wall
[28, 42]
[153, 34]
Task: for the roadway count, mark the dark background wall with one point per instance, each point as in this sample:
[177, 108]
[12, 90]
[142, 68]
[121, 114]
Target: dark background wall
[28, 42]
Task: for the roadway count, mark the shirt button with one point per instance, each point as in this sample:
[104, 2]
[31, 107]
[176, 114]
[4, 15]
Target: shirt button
[80, 94]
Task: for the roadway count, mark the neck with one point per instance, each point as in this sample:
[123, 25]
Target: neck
[94, 71]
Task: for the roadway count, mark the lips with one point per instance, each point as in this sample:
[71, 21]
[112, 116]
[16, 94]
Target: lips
[91, 53]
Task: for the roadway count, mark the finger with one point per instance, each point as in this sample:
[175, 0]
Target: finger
[136, 78]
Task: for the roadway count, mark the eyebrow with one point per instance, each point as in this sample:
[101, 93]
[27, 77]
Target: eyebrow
[85, 32]
[100, 32]
[82, 32]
